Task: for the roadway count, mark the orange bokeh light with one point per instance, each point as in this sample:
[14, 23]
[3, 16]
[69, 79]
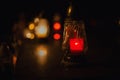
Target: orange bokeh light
[56, 36]
[57, 26]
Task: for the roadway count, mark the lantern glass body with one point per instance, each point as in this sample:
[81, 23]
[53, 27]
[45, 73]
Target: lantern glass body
[74, 37]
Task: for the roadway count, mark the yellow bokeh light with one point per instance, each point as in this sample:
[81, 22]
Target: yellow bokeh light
[28, 35]
[32, 36]
[69, 10]
[36, 20]
[41, 50]
[42, 30]
[31, 26]
[41, 53]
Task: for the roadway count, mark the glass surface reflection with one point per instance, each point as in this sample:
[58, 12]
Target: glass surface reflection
[41, 52]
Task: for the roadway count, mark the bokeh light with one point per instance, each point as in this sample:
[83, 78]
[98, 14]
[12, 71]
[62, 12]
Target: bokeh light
[36, 20]
[41, 52]
[31, 26]
[42, 30]
[56, 36]
[57, 26]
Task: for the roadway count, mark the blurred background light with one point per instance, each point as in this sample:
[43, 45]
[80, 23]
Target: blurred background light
[41, 52]
[69, 10]
[31, 26]
[56, 36]
[28, 34]
[57, 26]
[36, 20]
[42, 30]
[56, 17]
[118, 22]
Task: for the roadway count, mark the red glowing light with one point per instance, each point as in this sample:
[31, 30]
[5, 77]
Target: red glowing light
[76, 45]
[56, 36]
[57, 26]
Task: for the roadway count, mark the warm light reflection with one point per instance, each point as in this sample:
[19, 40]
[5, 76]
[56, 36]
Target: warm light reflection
[14, 60]
[41, 53]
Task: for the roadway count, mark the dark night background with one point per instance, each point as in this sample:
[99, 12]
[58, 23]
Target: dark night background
[100, 17]
[101, 10]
